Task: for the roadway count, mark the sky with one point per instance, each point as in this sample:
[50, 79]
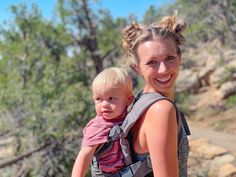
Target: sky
[118, 8]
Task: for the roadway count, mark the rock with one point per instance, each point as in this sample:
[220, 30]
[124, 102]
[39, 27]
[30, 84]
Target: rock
[232, 64]
[233, 77]
[204, 74]
[211, 151]
[219, 76]
[7, 147]
[208, 151]
[227, 170]
[229, 55]
[215, 165]
[188, 81]
[227, 89]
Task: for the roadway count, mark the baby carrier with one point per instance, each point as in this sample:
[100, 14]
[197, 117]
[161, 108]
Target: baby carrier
[121, 132]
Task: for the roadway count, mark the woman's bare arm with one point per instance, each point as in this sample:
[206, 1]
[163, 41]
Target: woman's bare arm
[160, 127]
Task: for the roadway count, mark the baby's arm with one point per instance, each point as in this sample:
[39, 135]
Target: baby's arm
[83, 161]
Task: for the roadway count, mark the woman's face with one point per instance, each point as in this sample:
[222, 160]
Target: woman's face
[159, 65]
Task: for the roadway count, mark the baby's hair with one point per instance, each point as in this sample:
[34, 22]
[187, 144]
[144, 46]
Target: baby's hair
[113, 77]
[135, 34]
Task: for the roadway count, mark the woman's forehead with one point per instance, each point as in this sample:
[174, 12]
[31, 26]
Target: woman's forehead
[157, 47]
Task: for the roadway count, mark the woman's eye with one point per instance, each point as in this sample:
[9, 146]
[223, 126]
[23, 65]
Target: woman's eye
[152, 63]
[170, 58]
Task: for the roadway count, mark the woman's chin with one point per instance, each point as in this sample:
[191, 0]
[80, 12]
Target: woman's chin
[164, 87]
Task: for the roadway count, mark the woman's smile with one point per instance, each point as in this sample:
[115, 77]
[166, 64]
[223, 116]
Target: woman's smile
[164, 79]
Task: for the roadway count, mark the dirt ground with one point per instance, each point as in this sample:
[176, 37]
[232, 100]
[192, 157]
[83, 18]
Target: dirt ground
[206, 110]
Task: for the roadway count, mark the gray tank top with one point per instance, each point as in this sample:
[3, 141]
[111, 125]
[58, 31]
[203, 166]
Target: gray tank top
[183, 149]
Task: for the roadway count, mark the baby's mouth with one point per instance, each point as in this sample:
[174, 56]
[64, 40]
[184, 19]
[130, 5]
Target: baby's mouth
[106, 112]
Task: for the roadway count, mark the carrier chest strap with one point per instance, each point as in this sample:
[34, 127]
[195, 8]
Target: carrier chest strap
[144, 168]
[136, 169]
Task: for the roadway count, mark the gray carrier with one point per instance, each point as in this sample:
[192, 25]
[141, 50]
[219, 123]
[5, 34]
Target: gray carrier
[137, 169]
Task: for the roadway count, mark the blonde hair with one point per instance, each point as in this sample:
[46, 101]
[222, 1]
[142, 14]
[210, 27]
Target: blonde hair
[135, 34]
[113, 77]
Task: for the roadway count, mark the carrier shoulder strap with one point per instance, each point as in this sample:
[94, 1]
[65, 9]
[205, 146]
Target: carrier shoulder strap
[184, 122]
[138, 109]
[122, 131]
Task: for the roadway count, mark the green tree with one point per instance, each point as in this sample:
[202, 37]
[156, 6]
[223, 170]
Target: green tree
[42, 92]
[46, 72]
[207, 19]
[94, 33]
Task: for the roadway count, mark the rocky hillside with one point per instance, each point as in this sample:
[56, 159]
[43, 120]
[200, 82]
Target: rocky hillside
[208, 160]
[206, 91]
[206, 86]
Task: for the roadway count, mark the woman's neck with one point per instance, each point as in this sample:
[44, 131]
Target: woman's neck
[169, 94]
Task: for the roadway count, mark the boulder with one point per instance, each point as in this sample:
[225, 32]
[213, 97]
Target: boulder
[227, 89]
[229, 55]
[219, 76]
[188, 81]
[227, 170]
[218, 162]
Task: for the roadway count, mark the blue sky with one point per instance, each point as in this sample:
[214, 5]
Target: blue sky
[118, 8]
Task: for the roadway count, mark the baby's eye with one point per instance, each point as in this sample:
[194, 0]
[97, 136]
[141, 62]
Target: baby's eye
[98, 99]
[112, 98]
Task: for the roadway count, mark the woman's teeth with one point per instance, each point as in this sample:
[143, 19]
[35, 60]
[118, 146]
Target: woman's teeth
[164, 79]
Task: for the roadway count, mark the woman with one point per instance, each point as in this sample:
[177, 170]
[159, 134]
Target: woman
[155, 55]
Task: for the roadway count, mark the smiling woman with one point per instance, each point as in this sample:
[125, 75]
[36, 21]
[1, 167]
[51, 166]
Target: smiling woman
[155, 55]
[159, 67]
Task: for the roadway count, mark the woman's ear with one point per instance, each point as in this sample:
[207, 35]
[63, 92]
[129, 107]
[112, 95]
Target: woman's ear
[135, 67]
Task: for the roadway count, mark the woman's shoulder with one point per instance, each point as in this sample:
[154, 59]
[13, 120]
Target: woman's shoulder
[163, 105]
[162, 109]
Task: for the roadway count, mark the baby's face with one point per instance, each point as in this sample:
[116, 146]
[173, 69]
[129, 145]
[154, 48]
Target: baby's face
[110, 103]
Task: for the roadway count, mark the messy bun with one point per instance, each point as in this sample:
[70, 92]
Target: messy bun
[135, 34]
[170, 23]
[129, 35]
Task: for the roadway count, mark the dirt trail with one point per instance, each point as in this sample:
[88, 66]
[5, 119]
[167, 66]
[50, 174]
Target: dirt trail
[221, 139]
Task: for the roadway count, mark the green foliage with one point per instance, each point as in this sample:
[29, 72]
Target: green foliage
[150, 15]
[231, 101]
[207, 19]
[182, 100]
[42, 90]
[46, 72]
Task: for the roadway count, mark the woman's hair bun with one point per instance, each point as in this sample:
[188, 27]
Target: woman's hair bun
[180, 26]
[129, 34]
[172, 24]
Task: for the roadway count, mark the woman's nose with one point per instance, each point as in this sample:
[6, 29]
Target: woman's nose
[162, 67]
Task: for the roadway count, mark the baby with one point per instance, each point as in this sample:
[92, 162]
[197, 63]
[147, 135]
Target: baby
[112, 94]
